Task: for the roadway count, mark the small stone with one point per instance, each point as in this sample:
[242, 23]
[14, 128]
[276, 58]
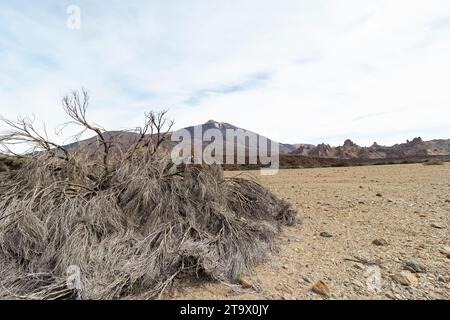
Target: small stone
[379, 195]
[285, 267]
[306, 279]
[321, 288]
[415, 266]
[399, 296]
[405, 278]
[282, 288]
[390, 296]
[445, 250]
[437, 225]
[357, 283]
[326, 234]
[245, 283]
[380, 242]
[358, 266]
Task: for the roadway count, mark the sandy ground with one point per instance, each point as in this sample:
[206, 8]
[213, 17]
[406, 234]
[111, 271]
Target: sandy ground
[407, 206]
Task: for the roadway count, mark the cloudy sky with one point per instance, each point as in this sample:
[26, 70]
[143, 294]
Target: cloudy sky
[294, 70]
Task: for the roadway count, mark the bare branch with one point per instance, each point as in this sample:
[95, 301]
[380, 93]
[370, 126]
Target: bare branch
[75, 106]
[23, 132]
[153, 133]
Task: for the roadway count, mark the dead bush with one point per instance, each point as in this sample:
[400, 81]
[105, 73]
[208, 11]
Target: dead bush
[131, 224]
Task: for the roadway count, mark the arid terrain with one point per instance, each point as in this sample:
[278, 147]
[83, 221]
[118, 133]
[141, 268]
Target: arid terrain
[405, 209]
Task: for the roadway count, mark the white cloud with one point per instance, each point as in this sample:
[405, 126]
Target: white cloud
[367, 70]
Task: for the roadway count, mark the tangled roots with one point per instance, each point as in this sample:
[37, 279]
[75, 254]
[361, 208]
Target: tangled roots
[150, 223]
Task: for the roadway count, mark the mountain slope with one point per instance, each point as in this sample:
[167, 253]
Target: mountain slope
[223, 127]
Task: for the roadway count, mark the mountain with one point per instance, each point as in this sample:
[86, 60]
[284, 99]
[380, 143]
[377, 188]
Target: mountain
[240, 141]
[349, 150]
[124, 139]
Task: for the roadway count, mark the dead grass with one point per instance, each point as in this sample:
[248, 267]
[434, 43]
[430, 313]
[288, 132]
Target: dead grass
[131, 225]
[9, 163]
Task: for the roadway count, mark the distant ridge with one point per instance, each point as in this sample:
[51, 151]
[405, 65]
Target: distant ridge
[349, 150]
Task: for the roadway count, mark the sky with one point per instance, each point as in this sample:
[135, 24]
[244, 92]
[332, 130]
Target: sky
[297, 71]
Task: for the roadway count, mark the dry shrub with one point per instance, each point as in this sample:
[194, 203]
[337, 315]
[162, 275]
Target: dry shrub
[131, 230]
[9, 163]
[433, 162]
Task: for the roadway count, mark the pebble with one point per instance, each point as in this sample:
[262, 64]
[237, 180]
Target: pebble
[306, 279]
[245, 283]
[437, 225]
[380, 242]
[326, 234]
[390, 296]
[358, 266]
[321, 288]
[445, 251]
[414, 265]
[405, 278]
[281, 287]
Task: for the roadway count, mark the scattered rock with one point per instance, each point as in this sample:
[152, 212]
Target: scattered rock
[283, 288]
[326, 234]
[306, 279]
[437, 225]
[245, 283]
[357, 283]
[390, 295]
[415, 266]
[380, 242]
[405, 278]
[358, 266]
[321, 288]
[445, 251]
[399, 297]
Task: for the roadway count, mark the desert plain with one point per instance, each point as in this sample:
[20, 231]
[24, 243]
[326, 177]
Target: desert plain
[369, 232]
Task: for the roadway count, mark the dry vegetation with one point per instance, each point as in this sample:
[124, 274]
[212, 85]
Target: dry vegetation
[130, 220]
[9, 163]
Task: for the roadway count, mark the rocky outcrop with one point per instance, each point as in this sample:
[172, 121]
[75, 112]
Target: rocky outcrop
[350, 150]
